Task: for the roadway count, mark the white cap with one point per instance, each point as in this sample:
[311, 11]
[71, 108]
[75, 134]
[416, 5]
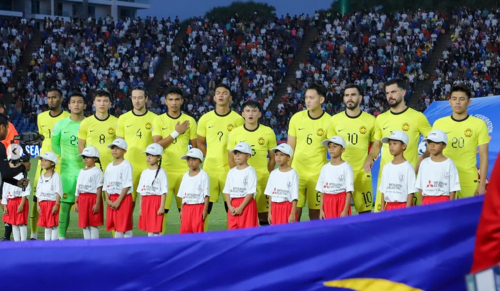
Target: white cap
[284, 148]
[335, 139]
[397, 135]
[193, 153]
[154, 149]
[49, 156]
[90, 152]
[119, 142]
[242, 147]
[436, 135]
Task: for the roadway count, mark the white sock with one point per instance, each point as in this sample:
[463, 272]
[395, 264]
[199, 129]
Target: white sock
[48, 234]
[94, 232]
[86, 233]
[55, 234]
[24, 232]
[156, 234]
[34, 235]
[118, 234]
[150, 234]
[128, 233]
[15, 233]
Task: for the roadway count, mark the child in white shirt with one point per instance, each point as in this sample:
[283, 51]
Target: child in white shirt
[437, 177]
[15, 209]
[153, 188]
[49, 192]
[398, 177]
[195, 194]
[240, 188]
[335, 181]
[117, 188]
[283, 188]
[88, 194]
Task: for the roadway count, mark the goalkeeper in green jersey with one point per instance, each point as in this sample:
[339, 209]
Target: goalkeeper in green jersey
[65, 144]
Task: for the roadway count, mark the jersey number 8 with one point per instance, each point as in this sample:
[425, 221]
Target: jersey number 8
[102, 139]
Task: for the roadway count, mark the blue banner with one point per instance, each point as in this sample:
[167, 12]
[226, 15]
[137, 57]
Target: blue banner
[420, 248]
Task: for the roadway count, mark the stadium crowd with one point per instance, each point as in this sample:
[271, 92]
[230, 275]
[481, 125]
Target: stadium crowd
[251, 57]
[471, 56]
[87, 55]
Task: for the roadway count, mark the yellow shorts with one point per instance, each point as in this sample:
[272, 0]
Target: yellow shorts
[217, 183]
[466, 191]
[307, 189]
[174, 183]
[136, 176]
[260, 198]
[363, 191]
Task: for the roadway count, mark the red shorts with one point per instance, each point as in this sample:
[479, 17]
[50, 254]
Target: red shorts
[192, 215]
[13, 217]
[395, 205]
[334, 204]
[46, 218]
[149, 220]
[120, 219]
[280, 212]
[435, 199]
[86, 216]
[248, 217]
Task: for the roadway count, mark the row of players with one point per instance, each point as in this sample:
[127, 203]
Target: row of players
[221, 129]
[335, 183]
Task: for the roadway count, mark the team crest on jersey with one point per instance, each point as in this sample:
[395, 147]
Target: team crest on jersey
[289, 185]
[65, 195]
[362, 130]
[148, 125]
[406, 127]
[245, 181]
[230, 127]
[341, 178]
[261, 141]
[320, 132]
[111, 130]
[446, 175]
[468, 132]
[401, 178]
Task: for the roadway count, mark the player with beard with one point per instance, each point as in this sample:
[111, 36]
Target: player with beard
[65, 144]
[46, 121]
[135, 127]
[357, 128]
[399, 117]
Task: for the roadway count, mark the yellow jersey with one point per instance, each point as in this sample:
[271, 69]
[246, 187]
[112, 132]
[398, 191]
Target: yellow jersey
[412, 122]
[99, 133]
[262, 140]
[46, 124]
[464, 136]
[216, 128]
[309, 155]
[137, 132]
[358, 132]
[163, 126]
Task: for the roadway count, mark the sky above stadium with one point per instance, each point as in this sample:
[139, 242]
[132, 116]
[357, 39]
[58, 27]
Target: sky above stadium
[190, 8]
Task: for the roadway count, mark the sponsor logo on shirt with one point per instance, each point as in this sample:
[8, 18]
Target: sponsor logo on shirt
[401, 178]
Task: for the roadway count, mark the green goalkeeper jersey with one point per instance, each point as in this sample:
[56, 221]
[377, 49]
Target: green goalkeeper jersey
[65, 144]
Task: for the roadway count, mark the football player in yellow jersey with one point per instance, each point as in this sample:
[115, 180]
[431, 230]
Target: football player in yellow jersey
[213, 129]
[173, 131]
[99, 130]
[399, 117]
[46, 121]
[306, 131]
[357, 128]
[135, 128]
[262, 139]
[465, 133]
